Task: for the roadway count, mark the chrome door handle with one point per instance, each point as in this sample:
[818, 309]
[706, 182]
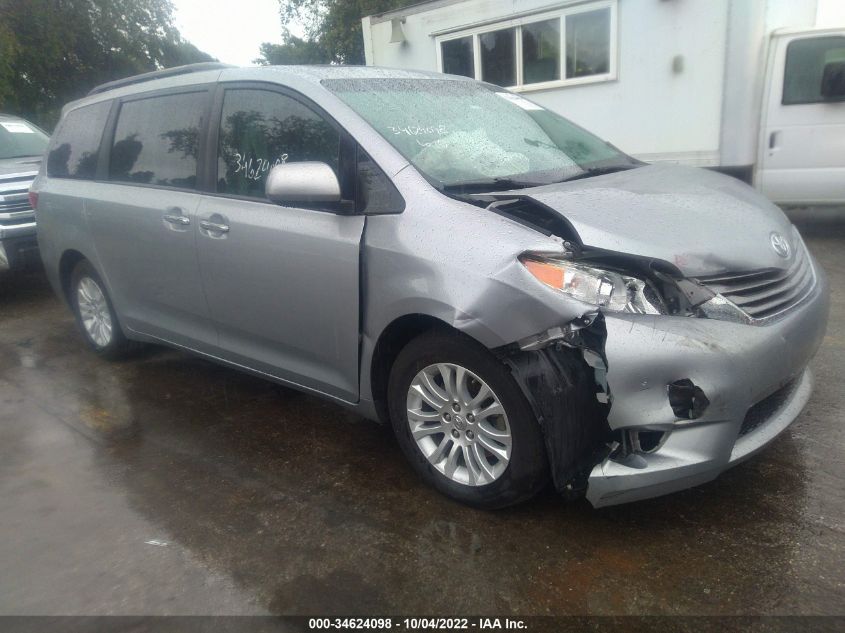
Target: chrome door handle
[214, 226]
[181, 220]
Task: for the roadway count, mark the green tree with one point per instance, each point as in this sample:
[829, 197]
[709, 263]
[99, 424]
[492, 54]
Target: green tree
[332, 31]
[8, 49]
[295, 50]
[54, 51]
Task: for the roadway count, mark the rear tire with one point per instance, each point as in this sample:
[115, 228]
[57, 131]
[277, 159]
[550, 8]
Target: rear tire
[463, 422]
[95, 313]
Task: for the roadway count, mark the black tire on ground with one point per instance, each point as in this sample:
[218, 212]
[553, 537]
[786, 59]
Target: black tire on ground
[527, 471]
[118, 346]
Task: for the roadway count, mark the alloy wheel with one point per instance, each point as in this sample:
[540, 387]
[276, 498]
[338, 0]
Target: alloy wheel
[94, 311]
[459, 424]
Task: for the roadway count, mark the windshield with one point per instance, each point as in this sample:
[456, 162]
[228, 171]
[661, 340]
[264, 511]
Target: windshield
[464, 133]
[19, 139]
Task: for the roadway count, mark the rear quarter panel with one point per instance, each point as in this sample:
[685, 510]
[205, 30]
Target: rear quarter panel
[62, 225]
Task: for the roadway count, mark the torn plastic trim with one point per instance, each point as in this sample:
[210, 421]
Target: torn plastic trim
[531, 213]
[576, 335]
[563, 374]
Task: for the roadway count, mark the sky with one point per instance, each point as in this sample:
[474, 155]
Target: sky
[229, 30]
[233, 30]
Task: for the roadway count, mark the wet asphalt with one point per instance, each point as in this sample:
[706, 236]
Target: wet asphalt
[168, 485]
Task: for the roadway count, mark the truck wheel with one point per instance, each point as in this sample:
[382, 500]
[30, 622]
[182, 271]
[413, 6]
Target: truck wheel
[95, 314]
[463, 423]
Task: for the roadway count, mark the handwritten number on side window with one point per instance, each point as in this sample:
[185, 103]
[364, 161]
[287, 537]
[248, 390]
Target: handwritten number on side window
[255, 168]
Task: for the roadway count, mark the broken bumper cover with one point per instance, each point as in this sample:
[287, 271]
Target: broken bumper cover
[755, 378]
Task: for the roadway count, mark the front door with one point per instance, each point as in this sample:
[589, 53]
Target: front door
[802, 144]
[143, 219]
[282, 282]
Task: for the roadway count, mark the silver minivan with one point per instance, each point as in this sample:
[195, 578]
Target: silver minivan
[522, 301]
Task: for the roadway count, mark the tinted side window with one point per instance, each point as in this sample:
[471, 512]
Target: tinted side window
[805, 63]
[76, 144]
[260, 129]
[156, 141]
[376, 192]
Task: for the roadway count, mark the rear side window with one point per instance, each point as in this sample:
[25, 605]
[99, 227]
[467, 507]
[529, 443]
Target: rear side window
[156, 141]
[805, 66]
[260, 129]
[76, 143]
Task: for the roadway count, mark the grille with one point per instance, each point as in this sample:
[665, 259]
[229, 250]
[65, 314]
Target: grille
[765, 293]
[14, 199]
[761, 412]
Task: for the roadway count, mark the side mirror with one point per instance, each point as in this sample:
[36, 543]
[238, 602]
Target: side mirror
[302, 182]
[833, 81]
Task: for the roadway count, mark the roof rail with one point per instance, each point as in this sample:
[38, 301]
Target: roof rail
[159, 74]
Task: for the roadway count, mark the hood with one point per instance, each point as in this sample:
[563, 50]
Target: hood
[26, 165]
[701, 221]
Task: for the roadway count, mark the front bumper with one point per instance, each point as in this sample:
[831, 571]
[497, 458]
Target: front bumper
[18, 246]
[737, 367]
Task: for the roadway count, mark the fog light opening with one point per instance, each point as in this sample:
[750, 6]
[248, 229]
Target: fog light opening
[645, 441]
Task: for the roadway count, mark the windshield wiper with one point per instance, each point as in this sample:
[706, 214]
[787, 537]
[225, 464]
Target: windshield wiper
[599, 171]
[492, 184]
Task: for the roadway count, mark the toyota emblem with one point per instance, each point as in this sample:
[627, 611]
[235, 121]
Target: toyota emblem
[780, 244]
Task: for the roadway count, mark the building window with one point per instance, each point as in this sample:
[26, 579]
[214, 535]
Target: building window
[541, 51]
[568, 46]
[458, 57]
[588, 43]
[498, 56]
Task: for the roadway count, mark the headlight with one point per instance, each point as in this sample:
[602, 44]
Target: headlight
[603, 288]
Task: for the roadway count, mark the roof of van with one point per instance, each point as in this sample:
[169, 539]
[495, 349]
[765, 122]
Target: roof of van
[211, 72]
[318, 73]
[314, 73]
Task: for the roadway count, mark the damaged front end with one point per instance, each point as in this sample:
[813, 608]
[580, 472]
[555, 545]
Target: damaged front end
[648, 392]
[644, 370]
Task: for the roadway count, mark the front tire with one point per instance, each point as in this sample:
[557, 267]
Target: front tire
[464, 424]
[95, 314]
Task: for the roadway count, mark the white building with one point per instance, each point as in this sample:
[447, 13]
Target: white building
[687, 81]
